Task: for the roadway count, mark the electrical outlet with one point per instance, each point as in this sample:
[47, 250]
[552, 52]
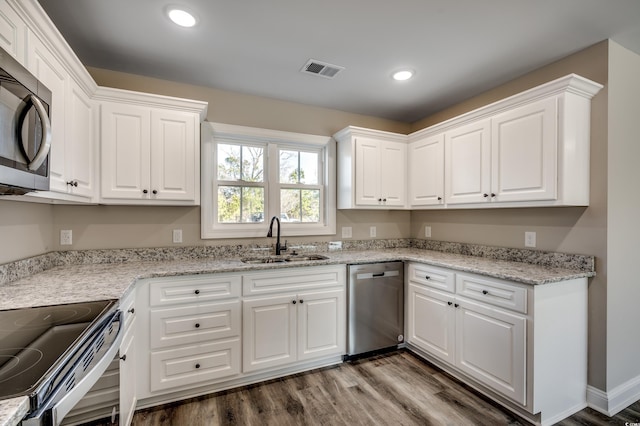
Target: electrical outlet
[177, 235]
[529, 239]
[335, 245]
[346, 232]
[372, 231]
[427, 231]
[66, 237]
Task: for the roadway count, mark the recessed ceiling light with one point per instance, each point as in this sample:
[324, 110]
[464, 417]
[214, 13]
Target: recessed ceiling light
[181, 17]
[402, 75]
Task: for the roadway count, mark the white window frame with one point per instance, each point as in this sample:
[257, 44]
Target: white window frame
[273, 140]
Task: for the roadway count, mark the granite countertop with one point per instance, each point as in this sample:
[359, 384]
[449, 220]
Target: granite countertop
[82, 282]
[89, 282]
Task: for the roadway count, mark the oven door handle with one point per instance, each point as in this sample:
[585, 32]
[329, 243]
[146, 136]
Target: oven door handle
[66, 404]
[53, 414]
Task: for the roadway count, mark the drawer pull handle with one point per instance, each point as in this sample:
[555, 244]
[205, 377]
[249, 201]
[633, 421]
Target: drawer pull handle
[427, 277]
[132, 311]
[197, 325]
[294, 302]
[124, 357]
[197, 365]
[197, 292]
[485, 291]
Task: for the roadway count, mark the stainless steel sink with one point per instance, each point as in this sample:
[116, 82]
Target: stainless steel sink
[305, 258]
[282, 259]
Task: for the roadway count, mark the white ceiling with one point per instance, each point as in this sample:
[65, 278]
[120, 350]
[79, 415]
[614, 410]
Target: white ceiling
[459, 48]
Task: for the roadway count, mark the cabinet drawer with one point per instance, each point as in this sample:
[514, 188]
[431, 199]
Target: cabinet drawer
[194, 364]
[432, 276]
[293, 280]
[492, 291]
[204, 288]
[191, 324]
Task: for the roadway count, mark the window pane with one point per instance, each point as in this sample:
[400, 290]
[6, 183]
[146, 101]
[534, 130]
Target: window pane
[253, 205]
[228, 162]
[229, 204]
[310, 205]
[288, 166]
[253, 164]
[300, 205]
[309, 168]
[238, 204]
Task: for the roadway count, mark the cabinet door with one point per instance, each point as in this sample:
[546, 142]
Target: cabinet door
[491, 347]
[268, 332]
[426, 171]
[174, 163]
[468, 151]
[125, 151]
[49, 70]
[321, 324]
[392, 173]
[432, 317]
[367, 172]
[80, 142]
[12, 32]
[128, 398]
[524, 152]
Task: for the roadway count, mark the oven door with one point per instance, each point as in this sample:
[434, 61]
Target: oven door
[88, 363]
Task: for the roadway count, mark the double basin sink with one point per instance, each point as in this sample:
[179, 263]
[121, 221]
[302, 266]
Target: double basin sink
[283, 259]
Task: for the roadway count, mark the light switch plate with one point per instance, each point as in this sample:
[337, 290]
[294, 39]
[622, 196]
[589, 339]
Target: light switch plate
[427, 231]
[177, 236]
[372, 231]
[66, 237]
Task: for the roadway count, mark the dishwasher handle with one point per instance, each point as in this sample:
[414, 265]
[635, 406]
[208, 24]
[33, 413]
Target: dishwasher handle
[369, 275]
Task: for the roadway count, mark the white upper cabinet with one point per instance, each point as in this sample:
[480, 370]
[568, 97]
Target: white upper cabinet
[371, 169]
[149, 148]
[12, 32]
[468, 163]
[426, 171]
[528, 150]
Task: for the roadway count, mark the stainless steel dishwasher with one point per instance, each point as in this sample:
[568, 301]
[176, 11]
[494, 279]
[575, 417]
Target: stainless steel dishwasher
[375, 307]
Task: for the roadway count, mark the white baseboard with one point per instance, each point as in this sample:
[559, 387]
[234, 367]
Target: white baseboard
[612, 402]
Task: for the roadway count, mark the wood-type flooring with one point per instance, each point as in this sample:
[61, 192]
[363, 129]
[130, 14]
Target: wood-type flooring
[391, 389]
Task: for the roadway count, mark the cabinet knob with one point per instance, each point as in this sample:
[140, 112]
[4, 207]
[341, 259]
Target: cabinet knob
[493, 195]
[144, 191]
[197, 325]
[456, 305]
[485, 292]
[132, 311]
[294, 302]
[197, 292]
[449, 303]
[123, 357]
[439, 198]
[379, 200]
[427, 277]
[485, 195]
[198, 365]
[301, 301]
[384, 200]
[154, 192]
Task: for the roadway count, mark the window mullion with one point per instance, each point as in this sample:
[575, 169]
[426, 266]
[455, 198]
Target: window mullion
[272, 187]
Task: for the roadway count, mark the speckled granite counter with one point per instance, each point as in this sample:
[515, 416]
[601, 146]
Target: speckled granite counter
[100, 275]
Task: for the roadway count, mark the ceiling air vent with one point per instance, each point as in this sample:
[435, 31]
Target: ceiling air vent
[321, 69]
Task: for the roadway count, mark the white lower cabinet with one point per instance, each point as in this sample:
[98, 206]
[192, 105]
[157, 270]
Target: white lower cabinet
[293, 326]
[511, 341]
[191, 329]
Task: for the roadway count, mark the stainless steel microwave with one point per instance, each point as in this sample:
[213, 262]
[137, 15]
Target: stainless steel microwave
[25, 129]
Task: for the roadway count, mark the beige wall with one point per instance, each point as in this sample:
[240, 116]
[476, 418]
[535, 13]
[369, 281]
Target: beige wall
[623, 231]
[572, 230]
[26, 229]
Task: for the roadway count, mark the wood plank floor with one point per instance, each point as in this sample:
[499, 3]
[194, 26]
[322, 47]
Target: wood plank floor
[392, 389]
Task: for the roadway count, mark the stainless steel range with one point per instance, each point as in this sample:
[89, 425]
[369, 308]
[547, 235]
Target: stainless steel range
[54, 355]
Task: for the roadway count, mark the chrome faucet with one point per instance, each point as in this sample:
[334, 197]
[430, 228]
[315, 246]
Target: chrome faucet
[270, 234]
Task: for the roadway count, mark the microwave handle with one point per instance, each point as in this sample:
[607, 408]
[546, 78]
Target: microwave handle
[45, 146]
